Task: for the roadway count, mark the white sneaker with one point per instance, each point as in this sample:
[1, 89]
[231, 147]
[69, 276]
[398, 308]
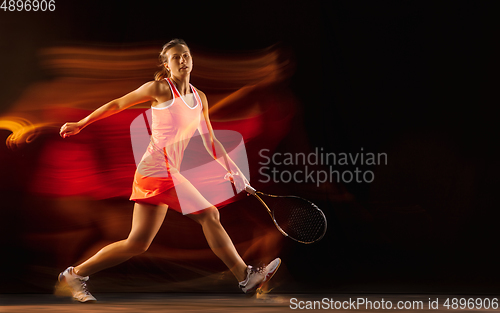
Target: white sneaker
[70, 283]
[256, 277]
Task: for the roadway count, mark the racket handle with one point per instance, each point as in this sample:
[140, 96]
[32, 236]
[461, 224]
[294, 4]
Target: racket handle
[250, 189]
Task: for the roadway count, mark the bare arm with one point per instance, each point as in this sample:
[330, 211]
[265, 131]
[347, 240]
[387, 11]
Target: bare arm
[146, 92]
[211, 143]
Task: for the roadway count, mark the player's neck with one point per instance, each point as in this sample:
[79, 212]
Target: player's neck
[182, 84]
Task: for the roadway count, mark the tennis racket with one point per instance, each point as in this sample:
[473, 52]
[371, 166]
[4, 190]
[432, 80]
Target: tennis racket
[295, 217]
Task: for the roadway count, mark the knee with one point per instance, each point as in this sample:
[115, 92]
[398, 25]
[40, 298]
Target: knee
[209, 215]
[137, 247]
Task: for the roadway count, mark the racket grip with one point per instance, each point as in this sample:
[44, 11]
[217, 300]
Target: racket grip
[250, 189]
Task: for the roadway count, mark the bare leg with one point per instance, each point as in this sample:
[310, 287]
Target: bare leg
[220, 242]
[146, 221]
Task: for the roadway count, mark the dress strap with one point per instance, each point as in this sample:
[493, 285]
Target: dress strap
[197, 96]
[173, 88]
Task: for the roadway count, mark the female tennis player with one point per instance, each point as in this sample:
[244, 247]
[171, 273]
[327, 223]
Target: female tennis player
[178, 109]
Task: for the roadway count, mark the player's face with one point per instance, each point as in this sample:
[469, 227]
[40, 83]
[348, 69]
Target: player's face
[179, 60]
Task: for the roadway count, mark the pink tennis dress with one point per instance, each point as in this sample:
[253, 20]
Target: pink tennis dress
[158, 172]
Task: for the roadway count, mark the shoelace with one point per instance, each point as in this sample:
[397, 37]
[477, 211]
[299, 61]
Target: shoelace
[259, 269]
[84, 286]
[253, 270]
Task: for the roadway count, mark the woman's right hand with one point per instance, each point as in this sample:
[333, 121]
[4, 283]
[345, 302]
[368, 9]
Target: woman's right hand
[70, 129]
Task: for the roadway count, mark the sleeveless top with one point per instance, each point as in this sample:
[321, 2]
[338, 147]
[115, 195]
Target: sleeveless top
[171, 129]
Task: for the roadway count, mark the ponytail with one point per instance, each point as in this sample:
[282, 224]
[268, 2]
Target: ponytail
[162, 73]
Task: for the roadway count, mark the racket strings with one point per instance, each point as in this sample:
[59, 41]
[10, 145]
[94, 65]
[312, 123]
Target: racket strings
[297, 217]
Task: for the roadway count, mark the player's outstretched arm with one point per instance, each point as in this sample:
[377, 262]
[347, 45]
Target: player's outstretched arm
[144, 93]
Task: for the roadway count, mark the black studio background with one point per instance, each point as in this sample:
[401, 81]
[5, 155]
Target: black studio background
[413, 79]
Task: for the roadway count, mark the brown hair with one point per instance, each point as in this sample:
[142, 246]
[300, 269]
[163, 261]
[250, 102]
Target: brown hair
[163, 73]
